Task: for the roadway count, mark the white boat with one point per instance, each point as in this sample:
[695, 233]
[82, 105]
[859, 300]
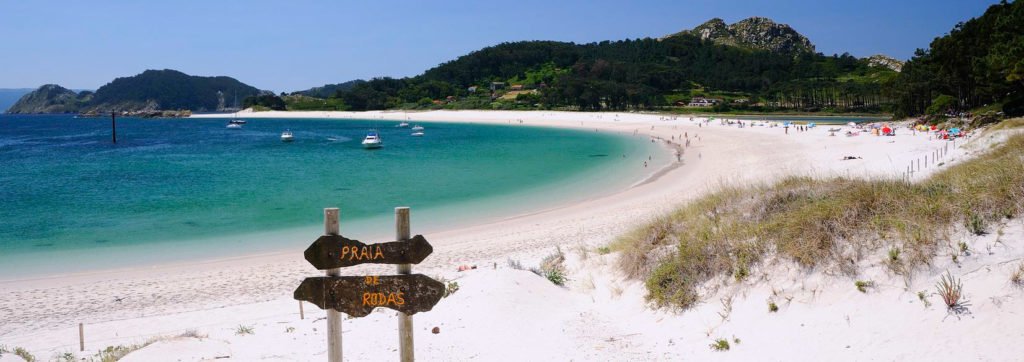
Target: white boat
[232, 125]
[372, 140]
[417, 128]
[403, 125]
[287, 136]
[417, 134]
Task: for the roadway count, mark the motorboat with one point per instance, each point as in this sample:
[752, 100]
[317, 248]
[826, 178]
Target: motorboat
[372, 140]
[417, 128]
[238, 121]
[287, 136]
[403, 125]
[417, 134]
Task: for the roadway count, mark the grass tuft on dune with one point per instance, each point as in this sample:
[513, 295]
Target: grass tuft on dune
[833, 223]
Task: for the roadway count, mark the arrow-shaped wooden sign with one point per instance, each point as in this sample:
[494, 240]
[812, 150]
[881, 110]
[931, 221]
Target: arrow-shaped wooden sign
[336, 251]
[359, 295]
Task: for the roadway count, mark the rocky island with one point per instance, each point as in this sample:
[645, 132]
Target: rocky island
[151, 94]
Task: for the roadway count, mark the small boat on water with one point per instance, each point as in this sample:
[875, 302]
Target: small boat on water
[417, 134]
[287, 136]
[236, 123]
[372, 140]
[403, 125]
[417, 128]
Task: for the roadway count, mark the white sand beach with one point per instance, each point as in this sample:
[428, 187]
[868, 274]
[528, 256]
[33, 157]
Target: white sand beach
[501, 313]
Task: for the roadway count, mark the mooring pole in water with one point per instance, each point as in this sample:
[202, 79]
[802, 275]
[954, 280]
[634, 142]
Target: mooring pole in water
[113, 126]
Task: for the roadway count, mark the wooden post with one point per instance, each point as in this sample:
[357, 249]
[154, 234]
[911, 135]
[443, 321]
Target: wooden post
[405, 345]
[332, 227]
[113, 126]
[301, 315]
[81, 337]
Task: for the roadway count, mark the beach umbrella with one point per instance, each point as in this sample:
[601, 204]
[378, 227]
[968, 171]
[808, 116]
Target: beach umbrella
[954, 130]
[852, 124]
[886, 130]
[811, 125]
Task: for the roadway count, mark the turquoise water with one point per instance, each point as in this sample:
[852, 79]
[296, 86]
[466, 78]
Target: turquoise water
[175, 189]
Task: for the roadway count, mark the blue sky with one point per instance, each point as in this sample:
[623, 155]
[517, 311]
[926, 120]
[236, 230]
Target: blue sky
[293, 45]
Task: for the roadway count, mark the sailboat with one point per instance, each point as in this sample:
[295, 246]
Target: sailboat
[235, 120]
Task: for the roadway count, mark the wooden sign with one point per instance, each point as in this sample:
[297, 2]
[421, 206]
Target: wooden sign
[359, 295]
[336, 251]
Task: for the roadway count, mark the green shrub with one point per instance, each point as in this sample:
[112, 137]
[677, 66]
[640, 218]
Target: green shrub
[24, 354]
[242, 330]
[894, 254]
[450, 288]
[741, 273]
[720, 345]
[772, 308]
[552, 269]
[863, 286]
[64, 357]
[940, 104]
[924, 299]
[976, 224]
[557, 276]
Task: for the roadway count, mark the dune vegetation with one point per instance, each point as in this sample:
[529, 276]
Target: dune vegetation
[822, 223]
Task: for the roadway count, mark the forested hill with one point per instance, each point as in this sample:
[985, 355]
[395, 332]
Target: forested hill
[753, 65]
[149, 91]
[328, 90]
[632, 74]
[171, 90]
[979, 65]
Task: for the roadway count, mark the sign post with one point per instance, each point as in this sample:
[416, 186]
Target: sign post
[404, 320]
[332, 227]
[358, 296]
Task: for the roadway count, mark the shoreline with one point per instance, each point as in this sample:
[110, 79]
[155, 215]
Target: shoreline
[442, 211]
[261, 285]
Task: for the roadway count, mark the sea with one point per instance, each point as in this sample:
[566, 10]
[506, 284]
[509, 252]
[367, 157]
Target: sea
[173, 190]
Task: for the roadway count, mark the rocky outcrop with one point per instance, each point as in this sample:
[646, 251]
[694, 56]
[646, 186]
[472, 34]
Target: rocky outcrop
[879, 60]
[753, 33]
[50, 98]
